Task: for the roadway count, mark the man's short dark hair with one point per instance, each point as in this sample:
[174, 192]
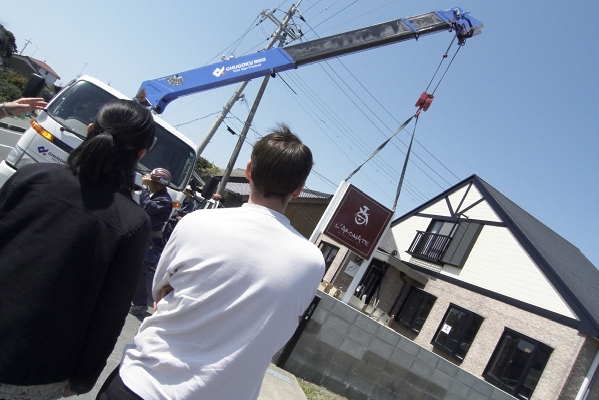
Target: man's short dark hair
[280, 163]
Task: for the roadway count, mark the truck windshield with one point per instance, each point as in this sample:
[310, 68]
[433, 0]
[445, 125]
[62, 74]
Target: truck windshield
[171, 153]
[76, 108]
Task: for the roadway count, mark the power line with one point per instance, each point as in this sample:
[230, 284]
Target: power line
[197, 119]
[360, 144]
[322, 107]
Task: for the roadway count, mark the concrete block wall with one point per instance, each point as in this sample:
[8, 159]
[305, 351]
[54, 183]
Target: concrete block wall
[354, 356]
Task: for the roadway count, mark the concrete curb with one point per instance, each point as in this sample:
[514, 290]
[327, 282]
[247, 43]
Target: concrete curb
[12, 127]
[279, 384]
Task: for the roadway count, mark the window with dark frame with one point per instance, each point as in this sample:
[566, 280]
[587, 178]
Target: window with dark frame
[517, 364]
[415, 309]
[431, 244]
[445, 243]
[328, 252]
[370, 285]
[457, 331]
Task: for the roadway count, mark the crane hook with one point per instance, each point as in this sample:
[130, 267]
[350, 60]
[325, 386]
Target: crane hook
[424, 102]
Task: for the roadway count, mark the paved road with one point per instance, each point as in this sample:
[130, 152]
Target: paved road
[129, 330]
[7, 141]
[8, 138]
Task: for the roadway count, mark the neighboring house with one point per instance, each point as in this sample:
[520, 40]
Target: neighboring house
[29, 65]
[303, 212]
[475, 279]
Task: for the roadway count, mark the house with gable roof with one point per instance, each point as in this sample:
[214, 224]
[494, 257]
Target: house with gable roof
[303, 212]
[478, 281]
[29, 65]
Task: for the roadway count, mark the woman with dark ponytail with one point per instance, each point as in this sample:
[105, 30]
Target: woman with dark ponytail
[72, 242]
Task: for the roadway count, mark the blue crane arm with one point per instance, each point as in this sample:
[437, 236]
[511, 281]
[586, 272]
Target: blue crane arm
[160, 92]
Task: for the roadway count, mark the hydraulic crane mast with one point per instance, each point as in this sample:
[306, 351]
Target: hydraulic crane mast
[160, 92]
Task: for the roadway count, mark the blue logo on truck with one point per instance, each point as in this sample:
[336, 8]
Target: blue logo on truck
[42, 149]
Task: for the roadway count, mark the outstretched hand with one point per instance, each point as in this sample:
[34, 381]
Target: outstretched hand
[25, 105]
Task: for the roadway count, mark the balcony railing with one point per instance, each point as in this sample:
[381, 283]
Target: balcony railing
[429, 246]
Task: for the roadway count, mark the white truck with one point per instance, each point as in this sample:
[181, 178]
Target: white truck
[62, 126]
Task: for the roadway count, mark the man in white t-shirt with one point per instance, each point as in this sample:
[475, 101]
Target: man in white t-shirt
[230, 288]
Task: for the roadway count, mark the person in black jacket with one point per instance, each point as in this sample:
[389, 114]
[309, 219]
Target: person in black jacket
[72, 243]
[157, 203]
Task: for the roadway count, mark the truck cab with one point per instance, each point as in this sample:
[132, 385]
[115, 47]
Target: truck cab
[62, 126]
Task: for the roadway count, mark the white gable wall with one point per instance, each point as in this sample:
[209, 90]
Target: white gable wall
[405, 232]
[456, 197]
[498, 263]
[438, 208]
[483, 212]
[50, 78]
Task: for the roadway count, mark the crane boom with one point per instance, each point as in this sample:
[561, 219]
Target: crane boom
[160, 92]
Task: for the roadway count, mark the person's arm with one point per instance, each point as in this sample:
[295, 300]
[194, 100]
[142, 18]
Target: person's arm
[161, 293]
[144, 196]
[161, 286]
[22, 106]
[157, 205]
[112, 306]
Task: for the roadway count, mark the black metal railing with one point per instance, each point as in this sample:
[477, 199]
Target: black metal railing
[429, 246]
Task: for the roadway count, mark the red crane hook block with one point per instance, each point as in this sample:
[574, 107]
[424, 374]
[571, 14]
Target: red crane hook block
[424, 102]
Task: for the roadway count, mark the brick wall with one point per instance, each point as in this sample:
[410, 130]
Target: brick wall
[566, 342]
[580, 370]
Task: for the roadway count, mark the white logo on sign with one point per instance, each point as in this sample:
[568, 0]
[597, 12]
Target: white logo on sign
[219, 71]
[351, 269]
[362, 216]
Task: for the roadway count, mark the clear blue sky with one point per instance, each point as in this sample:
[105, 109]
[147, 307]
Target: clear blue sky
[518, 107]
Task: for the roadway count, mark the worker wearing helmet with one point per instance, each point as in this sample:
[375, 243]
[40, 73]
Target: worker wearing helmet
[157, 203]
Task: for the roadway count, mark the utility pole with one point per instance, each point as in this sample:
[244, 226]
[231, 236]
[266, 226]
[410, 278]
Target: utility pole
[242, 136]
[80, 72]
[282, 27]
[280, 34]
[28, 41]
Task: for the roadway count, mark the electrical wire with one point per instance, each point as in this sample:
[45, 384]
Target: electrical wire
[390, 114]
[197, 119]
[373, 123]
[338, 12]
[335, 141]
[338, 123]
[312, 6]
[370, 94]
[237, 42]
[386, 87]
[384, 108]
[358, 17]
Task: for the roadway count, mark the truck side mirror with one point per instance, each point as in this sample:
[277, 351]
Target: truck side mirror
[210, 187]
[34, 87]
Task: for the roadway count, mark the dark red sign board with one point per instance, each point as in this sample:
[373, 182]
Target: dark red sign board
[358, 222]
